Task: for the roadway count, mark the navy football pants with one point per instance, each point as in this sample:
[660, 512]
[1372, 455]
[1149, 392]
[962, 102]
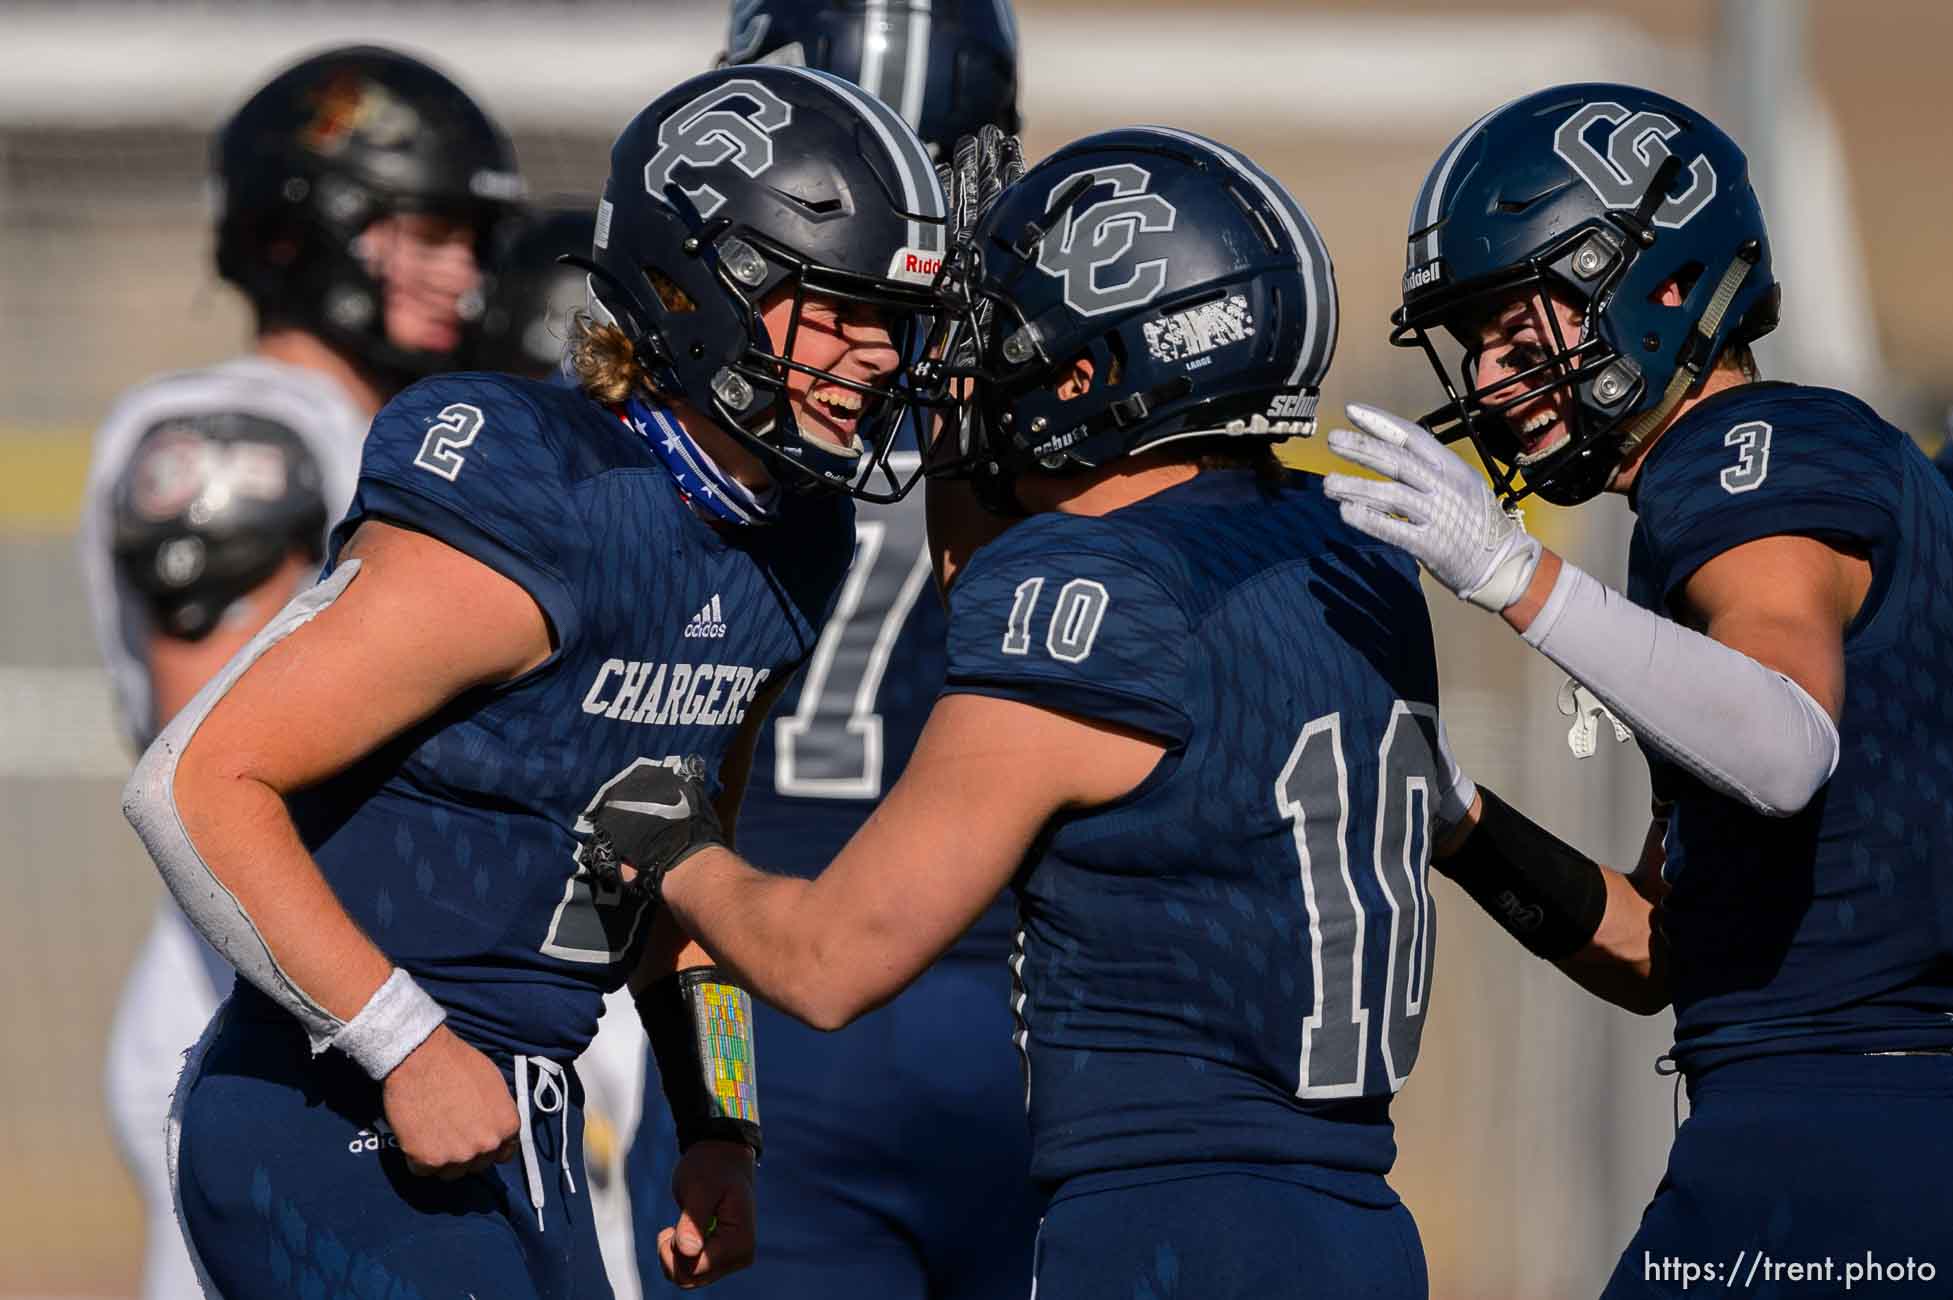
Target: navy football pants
[287, 1187]
[1226, 1232]
[897, 1153]
[1800, 1160]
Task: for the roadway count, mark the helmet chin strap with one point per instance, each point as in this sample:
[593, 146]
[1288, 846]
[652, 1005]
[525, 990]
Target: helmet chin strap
[1697, 353]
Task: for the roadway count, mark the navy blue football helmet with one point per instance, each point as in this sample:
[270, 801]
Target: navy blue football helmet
[1603, 195]
[750, 181]
[533, 295]
[947, 66]
[323, 150]
[1193, 282]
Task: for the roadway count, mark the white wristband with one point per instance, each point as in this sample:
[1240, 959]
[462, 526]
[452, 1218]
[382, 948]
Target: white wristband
[1508, 579]
[395, 1020]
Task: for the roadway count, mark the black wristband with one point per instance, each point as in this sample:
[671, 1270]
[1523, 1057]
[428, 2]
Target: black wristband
[701, 1028]
[1547, 894]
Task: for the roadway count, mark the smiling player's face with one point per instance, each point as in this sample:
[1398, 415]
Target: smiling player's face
[847, 339]
[1518, 337]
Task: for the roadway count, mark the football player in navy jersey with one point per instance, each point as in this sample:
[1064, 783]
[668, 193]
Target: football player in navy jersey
[1191, 715]
[1598, 254]
[534, 292]
[384, 810]
[951, 1214]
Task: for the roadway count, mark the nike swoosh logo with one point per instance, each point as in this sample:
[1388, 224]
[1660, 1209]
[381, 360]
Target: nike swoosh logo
[671, 812]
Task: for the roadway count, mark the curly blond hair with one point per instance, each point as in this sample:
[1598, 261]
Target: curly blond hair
[606, 364]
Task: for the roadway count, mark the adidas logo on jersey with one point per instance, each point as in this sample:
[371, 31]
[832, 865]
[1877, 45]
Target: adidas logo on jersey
[378, 1138]
[708, 622]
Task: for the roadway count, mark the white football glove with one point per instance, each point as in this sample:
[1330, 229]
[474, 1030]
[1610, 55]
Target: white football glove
[1433, 505]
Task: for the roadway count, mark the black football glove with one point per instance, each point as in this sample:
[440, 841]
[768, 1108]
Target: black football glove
[981, 167]
[645, 825]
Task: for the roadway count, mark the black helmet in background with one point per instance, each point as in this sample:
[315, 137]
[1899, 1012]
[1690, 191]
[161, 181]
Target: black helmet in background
[947, 66]
[210, 508]
[325, 149]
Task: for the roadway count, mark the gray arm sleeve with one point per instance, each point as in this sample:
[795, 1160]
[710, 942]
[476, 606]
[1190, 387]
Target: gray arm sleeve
[1741, 728]
[149, 802]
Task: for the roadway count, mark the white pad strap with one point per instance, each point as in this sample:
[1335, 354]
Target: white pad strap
[395, 1020]
[149, 802]
[1741, 728]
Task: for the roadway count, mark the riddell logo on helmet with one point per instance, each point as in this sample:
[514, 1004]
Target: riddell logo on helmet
[916, 265]
[1418, 277]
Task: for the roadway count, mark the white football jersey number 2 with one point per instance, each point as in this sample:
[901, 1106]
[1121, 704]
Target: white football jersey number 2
[453, 429]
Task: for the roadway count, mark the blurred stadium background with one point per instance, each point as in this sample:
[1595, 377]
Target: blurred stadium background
[1535, 1127]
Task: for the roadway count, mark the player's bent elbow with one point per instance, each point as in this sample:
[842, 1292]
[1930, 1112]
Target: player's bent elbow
[826, 1015]
[149, 802]
[170, 776]
[1790, 795]
[833, 993]
[1794, 768]
[152, 797]
[172, 784]
[818, 1004]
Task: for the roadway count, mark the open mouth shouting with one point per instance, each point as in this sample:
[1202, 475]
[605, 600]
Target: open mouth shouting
[1540, 433]
[832, 415]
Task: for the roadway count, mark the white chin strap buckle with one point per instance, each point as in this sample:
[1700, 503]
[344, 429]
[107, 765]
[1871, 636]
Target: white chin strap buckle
[1586, 710]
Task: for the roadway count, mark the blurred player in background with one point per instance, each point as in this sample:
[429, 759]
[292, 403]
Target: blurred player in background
[903, 1136]
[947, 66]
[526, 323]
[357, 191]
[1192, 715]
[538, 594]
[1599, 255]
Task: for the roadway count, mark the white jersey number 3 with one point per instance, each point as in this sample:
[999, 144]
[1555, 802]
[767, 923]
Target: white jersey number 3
[1752, 441]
